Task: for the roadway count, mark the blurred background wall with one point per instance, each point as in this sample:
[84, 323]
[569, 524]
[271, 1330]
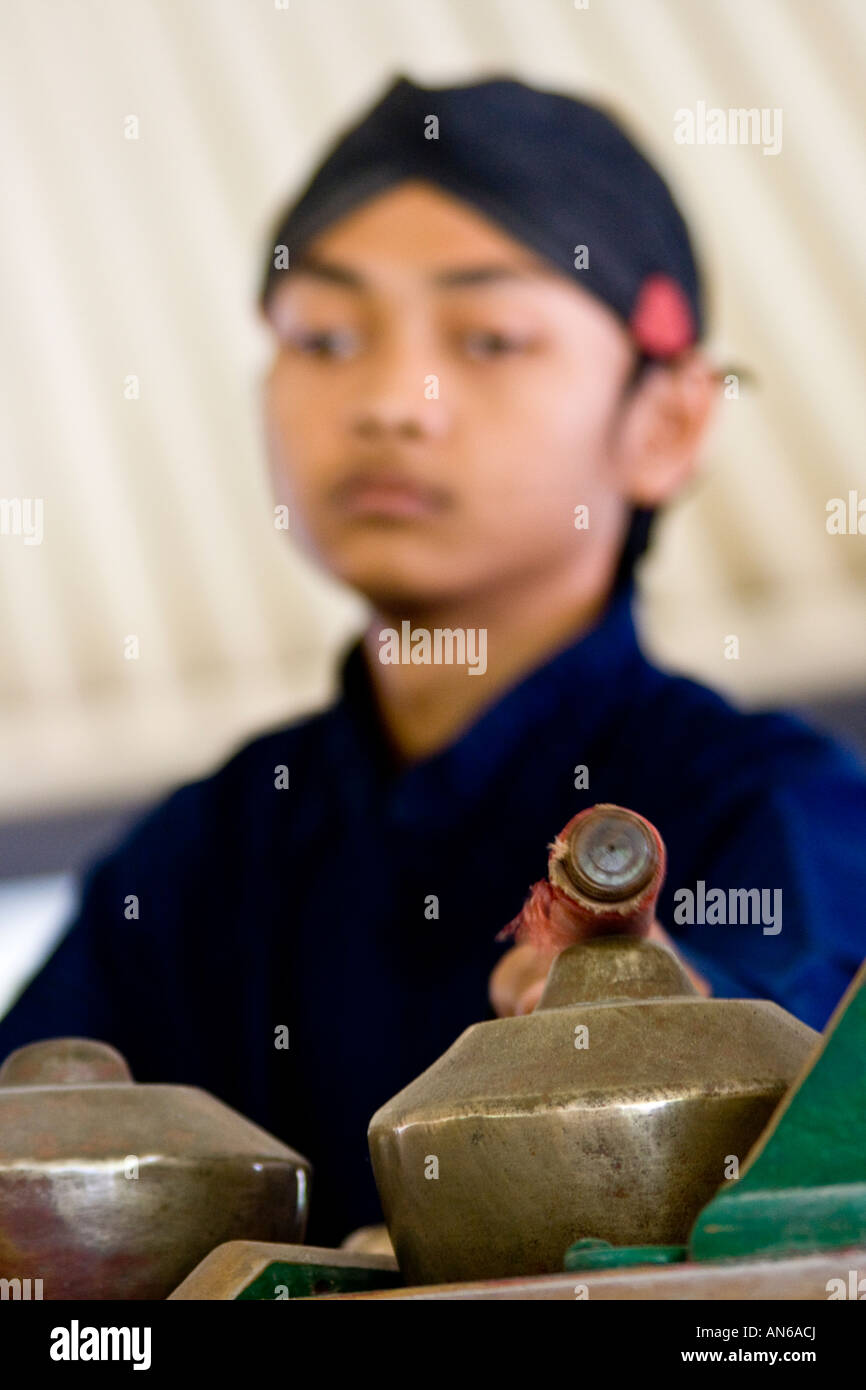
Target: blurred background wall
[138, 258]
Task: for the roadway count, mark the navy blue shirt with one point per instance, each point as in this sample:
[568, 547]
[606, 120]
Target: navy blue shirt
[312, 906]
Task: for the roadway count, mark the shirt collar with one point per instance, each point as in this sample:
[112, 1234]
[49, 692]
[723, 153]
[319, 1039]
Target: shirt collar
[579, 681]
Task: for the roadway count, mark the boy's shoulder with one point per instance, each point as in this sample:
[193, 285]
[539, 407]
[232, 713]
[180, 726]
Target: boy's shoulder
[236, 798]
[715, 738]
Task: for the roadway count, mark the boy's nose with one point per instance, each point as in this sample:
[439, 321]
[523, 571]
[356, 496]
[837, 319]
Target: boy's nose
[402, 397]
[379, 419]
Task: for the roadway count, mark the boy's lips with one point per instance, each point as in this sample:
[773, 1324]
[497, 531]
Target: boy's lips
[388, 493]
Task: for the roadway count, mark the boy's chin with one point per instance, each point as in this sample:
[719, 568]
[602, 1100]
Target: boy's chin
[402, 591]
[403, 597]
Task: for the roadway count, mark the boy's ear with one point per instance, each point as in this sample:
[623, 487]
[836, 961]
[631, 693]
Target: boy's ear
[665, 423]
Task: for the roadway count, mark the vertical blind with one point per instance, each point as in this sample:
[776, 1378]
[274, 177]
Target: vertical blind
[132, 358]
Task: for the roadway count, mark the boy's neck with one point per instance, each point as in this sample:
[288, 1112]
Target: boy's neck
[424, 707]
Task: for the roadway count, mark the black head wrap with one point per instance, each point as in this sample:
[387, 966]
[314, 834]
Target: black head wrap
[556, 173]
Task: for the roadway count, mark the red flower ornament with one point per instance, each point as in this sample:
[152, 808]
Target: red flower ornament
[661, 321]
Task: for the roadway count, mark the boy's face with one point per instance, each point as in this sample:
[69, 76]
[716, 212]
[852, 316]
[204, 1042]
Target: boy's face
[439, 404]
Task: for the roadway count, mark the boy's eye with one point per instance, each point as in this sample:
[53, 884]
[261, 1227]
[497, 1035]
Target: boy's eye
[328, 342]
[490, 343]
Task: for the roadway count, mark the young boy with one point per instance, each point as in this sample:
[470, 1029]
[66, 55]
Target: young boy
[487, 377]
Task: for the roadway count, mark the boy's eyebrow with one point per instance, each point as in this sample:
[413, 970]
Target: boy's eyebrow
[457, 278]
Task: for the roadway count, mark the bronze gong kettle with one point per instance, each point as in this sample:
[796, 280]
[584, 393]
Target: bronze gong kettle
[614, 1110]
[112, 1190]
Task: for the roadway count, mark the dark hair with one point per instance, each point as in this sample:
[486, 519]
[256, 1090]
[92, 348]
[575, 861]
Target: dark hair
[636, 542]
